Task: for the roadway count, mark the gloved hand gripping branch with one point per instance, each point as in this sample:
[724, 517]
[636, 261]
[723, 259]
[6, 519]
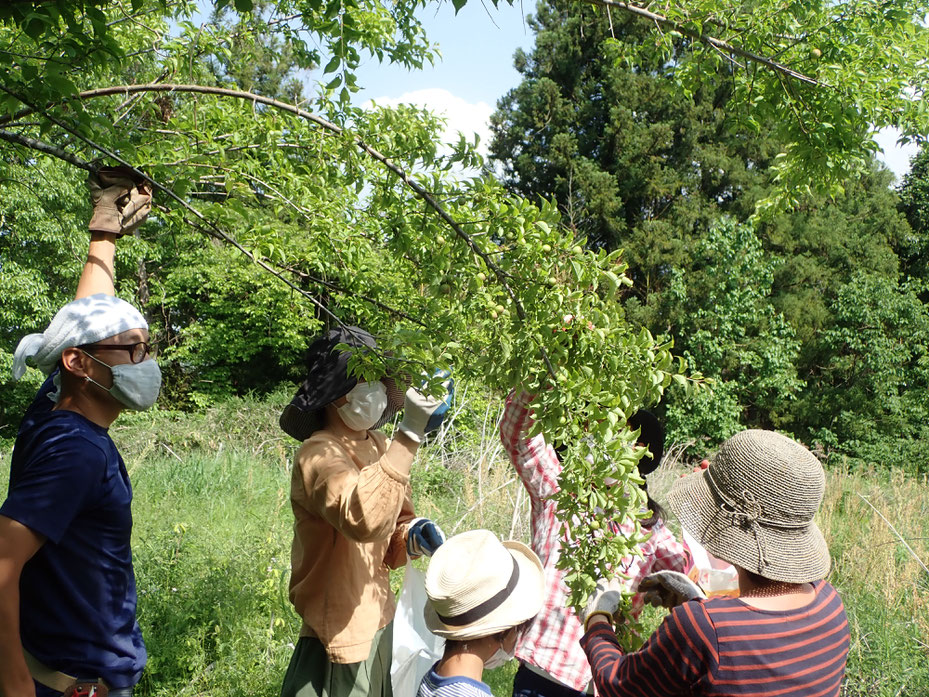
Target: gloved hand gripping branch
[121, 200]
[424, 537]
[423, 414]
[669, 589]
[606, 600]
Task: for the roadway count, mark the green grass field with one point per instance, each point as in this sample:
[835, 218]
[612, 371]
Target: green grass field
[213, 526]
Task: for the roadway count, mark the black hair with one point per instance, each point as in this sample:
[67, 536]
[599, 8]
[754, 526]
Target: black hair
[651, 435]
[657, 510]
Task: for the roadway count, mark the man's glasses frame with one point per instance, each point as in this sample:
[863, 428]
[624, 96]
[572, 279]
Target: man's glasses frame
[137, 351]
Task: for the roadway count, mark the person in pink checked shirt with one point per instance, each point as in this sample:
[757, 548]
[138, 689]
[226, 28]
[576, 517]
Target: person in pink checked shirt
[552, 663]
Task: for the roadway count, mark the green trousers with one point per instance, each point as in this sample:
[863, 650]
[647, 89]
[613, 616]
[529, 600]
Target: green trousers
[312, 674]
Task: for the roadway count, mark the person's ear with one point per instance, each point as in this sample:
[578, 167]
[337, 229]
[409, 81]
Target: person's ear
[72, 361]
[505, 635]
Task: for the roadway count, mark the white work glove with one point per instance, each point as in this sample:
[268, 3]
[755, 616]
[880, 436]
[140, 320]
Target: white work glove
[423, 414]
[120, 203]
[606, 600]
[669, 589]
[424, 537]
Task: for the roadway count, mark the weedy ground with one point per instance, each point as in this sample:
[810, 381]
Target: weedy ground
[213, 527]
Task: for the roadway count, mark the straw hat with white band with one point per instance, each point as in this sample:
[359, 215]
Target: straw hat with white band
[754, 507]
[479, 586]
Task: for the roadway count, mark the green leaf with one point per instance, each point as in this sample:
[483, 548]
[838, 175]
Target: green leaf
[332, 65]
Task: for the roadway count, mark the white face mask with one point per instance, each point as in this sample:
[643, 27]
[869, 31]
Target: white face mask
[135, 385]
[365, 406]
[499, 658]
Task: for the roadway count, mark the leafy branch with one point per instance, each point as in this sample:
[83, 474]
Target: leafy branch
[403, 175]
[713, 42]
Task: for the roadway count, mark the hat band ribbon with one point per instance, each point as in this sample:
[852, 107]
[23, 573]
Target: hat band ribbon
[748, 512]
[483, 609]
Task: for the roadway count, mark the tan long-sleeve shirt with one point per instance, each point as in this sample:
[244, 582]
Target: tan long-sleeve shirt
[351, 511]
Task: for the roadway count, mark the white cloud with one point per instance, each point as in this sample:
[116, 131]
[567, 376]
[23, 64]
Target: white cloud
[459, 115]
[896, 157]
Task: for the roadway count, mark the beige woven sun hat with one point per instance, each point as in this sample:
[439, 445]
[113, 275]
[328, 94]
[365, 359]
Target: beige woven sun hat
[754, 506]
[478, 586]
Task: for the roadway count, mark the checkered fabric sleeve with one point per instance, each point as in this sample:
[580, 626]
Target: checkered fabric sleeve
[660, 552]
[552, 640]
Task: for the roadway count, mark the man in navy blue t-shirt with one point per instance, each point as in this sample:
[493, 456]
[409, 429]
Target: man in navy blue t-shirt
[67, 588]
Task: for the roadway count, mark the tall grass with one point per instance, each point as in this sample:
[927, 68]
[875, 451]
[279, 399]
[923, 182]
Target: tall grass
[213, 528]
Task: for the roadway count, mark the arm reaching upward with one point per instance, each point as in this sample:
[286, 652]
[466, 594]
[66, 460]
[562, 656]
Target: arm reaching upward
[121, 205]
[99, 274]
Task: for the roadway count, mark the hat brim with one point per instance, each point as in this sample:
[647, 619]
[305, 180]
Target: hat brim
[791, 555]
[522, 604]
[301, 422]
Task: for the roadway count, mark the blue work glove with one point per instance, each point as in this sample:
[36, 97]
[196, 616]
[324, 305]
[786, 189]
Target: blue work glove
[423, 414]
[424, 537]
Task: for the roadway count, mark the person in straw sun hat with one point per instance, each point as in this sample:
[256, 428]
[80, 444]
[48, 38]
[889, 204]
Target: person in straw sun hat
[787, 633]
[481, 591]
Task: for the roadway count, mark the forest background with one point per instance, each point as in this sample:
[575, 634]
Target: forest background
[662, 221]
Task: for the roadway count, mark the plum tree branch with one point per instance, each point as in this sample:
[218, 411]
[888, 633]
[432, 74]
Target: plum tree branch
[712, 41]
[46, 148]
[332, 128]
[198, 222]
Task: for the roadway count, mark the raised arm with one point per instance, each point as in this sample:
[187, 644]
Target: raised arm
[364, 505]
[681, 653]
[120, 205]
[533, 459]
[99, 274]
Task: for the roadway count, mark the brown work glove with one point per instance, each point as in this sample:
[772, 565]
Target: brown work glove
[121, 200]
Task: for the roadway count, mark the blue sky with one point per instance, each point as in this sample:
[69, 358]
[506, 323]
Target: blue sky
[477, 48]
[476, 70]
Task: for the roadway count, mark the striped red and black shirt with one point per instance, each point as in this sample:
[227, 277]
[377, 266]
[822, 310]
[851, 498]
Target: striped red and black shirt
[723, 647]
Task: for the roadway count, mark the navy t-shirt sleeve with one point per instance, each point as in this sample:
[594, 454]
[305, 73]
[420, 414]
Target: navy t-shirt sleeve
[56, 482]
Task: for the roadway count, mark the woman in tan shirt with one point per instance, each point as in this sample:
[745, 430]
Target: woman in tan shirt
[354, 519]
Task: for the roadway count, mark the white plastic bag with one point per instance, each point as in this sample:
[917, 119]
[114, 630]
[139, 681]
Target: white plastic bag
[713, 575]
[416, 649]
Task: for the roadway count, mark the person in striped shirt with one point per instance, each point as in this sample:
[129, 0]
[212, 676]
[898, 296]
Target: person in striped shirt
[552, 663]
[786, 635]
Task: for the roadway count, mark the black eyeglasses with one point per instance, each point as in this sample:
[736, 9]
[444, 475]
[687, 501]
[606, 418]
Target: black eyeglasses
[137, 351]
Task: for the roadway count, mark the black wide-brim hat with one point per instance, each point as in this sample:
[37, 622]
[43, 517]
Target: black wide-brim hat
[327, 380]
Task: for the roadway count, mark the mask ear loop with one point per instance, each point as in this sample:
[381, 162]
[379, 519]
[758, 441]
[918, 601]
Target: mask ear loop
[89, 379]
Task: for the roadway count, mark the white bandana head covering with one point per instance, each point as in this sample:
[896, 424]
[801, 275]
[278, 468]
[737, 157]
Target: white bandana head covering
[84, 321]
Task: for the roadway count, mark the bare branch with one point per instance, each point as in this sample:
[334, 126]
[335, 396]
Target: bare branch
[46, 148]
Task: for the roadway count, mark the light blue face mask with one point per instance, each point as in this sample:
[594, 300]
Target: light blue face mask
[135, 385]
